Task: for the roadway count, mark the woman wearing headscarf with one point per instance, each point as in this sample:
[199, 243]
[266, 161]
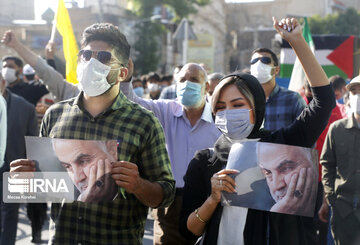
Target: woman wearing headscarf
[239, 104]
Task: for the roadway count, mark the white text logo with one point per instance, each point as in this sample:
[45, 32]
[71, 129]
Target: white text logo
[36, 185]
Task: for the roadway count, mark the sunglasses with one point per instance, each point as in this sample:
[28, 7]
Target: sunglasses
[264, 60]
[102, 56]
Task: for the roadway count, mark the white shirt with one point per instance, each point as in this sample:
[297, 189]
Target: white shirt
[3, 129]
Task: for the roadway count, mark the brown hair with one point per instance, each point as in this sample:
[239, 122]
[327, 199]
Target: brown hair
[241, 86]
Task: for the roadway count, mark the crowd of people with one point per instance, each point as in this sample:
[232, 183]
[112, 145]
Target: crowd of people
[171, 137]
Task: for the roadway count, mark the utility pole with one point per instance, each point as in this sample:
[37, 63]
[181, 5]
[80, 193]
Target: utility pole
[184, 32]
[101, 12]
[185, 41]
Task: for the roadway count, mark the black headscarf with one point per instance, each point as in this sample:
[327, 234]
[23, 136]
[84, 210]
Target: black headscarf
[259, 98]
[223, 145]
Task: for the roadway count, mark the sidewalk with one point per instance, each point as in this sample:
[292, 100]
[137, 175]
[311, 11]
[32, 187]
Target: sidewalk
[23, 236]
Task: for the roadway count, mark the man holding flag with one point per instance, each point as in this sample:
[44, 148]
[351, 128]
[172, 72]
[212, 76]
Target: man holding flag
[101, 112]
[53, 80]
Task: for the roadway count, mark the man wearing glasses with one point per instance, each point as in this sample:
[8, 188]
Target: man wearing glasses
[282, 105]
[100, 111]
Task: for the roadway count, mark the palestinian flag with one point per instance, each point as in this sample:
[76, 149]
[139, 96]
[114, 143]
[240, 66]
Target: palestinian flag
[333, 52]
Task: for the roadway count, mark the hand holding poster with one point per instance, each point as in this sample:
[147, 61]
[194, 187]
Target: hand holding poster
[87, 163]
[273, 177]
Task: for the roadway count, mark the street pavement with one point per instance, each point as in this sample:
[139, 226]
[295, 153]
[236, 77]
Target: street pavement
[23, 236]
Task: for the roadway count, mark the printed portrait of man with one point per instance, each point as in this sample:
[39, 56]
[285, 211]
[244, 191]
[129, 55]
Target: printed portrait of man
[273, 177]
[88, 164]
[291, 176]
[251, 188]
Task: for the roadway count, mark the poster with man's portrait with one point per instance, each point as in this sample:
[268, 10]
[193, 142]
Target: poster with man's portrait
[87, 163]
[273, 177]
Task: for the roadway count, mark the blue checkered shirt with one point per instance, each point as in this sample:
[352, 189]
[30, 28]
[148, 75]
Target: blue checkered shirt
[282, 108]
[168, 93]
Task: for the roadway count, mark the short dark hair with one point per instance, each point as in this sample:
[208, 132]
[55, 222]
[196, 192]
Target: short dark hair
[337, 82]
[16, 60]
[269, 51]
[215, 76]
[153, 75]
[167, 78]
[136, 80]
[110, 34]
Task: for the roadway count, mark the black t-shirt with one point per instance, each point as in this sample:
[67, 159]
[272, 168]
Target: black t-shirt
[32, 92]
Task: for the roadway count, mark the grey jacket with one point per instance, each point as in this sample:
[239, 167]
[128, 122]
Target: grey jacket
[54, 81]
[341, 166]
[21, 121]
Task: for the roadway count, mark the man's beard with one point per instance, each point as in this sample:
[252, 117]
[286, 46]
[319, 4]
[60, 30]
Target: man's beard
[279, 194]
[82, 186]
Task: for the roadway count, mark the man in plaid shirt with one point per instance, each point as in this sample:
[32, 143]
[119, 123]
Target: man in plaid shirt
[101, 112]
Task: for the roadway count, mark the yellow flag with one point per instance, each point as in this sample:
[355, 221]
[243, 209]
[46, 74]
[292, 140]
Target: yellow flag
[63, 25]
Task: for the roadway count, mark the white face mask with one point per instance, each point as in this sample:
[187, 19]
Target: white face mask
[355, 103]
[190, 94]
[9, 74]
[234, 123]
[92, 77]
[261, 71]
[153, 87]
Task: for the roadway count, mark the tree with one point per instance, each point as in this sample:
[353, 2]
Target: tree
[346, 23]
[148, 33]
[181, 8]
[146, 47]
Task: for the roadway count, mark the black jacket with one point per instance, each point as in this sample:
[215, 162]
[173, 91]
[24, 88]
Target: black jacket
[284, 229]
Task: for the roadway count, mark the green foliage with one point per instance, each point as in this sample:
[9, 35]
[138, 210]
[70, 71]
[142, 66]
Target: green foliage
[144, 8]
[181, 8]
[184, 8]
[343, 23]
[148, 33]
[146, 47]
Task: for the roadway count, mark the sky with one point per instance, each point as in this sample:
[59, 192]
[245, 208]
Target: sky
[42, 5]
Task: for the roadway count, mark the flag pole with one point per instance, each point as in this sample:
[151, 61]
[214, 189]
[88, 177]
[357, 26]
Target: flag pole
[53, 30]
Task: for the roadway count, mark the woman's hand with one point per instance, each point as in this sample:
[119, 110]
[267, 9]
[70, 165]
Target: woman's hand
[288, 28]
[220, 181]
[291, 31]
